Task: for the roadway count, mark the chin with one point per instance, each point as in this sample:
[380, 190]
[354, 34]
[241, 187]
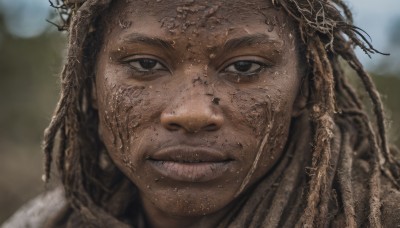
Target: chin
[188, 201]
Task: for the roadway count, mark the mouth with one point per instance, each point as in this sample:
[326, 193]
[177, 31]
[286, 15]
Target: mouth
[190, 164]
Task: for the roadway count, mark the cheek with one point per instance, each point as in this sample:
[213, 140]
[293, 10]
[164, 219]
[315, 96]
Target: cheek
[255, 111]
[268, 114]
[121, 110]
[269, 102]
[277, 138]
[277, 129]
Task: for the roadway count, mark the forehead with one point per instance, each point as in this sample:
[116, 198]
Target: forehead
[195, 16]
[184, 8]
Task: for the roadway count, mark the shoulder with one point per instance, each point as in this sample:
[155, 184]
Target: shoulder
[38, 211]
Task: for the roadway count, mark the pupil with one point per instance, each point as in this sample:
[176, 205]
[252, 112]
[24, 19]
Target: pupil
[147, 63]
[243, 66]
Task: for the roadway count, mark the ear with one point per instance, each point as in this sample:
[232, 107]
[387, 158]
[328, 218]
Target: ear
[300, 103]
[94, 95]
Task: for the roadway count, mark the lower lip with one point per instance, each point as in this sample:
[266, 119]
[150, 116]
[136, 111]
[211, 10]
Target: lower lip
[190, 172]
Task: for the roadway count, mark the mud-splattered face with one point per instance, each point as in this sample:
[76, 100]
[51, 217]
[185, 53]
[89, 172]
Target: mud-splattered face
[187, 91]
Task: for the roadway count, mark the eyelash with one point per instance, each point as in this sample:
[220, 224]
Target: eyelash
[249, 66]
[138, 64]
[231, 73]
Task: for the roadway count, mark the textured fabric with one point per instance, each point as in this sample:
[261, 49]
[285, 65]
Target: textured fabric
[37, 212]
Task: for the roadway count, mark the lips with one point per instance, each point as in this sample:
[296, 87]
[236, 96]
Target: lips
[190, 164]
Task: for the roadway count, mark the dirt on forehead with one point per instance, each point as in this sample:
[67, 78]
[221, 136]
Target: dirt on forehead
[182, 15]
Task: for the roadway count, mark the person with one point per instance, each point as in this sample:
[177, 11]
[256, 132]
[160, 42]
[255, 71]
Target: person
[218, 114]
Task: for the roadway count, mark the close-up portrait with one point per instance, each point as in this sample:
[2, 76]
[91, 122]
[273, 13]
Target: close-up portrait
[200, 113]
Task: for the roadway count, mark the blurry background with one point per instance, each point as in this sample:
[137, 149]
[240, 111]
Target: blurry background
[30, 60]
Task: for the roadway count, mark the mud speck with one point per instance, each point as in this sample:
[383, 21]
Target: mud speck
[215, 100]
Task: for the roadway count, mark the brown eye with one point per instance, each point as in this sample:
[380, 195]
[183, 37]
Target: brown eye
[244, 67]
[146, 64]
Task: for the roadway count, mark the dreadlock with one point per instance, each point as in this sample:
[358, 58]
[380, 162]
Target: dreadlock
[339, 130]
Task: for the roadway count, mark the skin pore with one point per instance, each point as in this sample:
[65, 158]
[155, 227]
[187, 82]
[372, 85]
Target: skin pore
[188, 94]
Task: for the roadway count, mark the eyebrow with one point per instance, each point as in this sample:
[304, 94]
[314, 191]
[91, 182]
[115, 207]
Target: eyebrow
[246, 41]
[152, 41]
[229, 45]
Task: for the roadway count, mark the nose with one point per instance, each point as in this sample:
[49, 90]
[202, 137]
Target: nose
[193, 114]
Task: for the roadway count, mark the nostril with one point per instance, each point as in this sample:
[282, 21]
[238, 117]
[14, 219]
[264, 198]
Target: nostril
[211, 127]
[192, 121]
[174, 126]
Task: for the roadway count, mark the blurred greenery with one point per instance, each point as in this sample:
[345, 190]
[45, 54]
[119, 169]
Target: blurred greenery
[29, 91]
[388, 86]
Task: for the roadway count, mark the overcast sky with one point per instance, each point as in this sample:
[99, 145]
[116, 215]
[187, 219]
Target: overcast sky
[26, 18]
[375, 17]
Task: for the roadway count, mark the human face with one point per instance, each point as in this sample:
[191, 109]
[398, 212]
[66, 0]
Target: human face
[187, 93]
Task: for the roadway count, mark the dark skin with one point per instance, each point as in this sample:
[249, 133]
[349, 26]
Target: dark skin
[190, 111]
